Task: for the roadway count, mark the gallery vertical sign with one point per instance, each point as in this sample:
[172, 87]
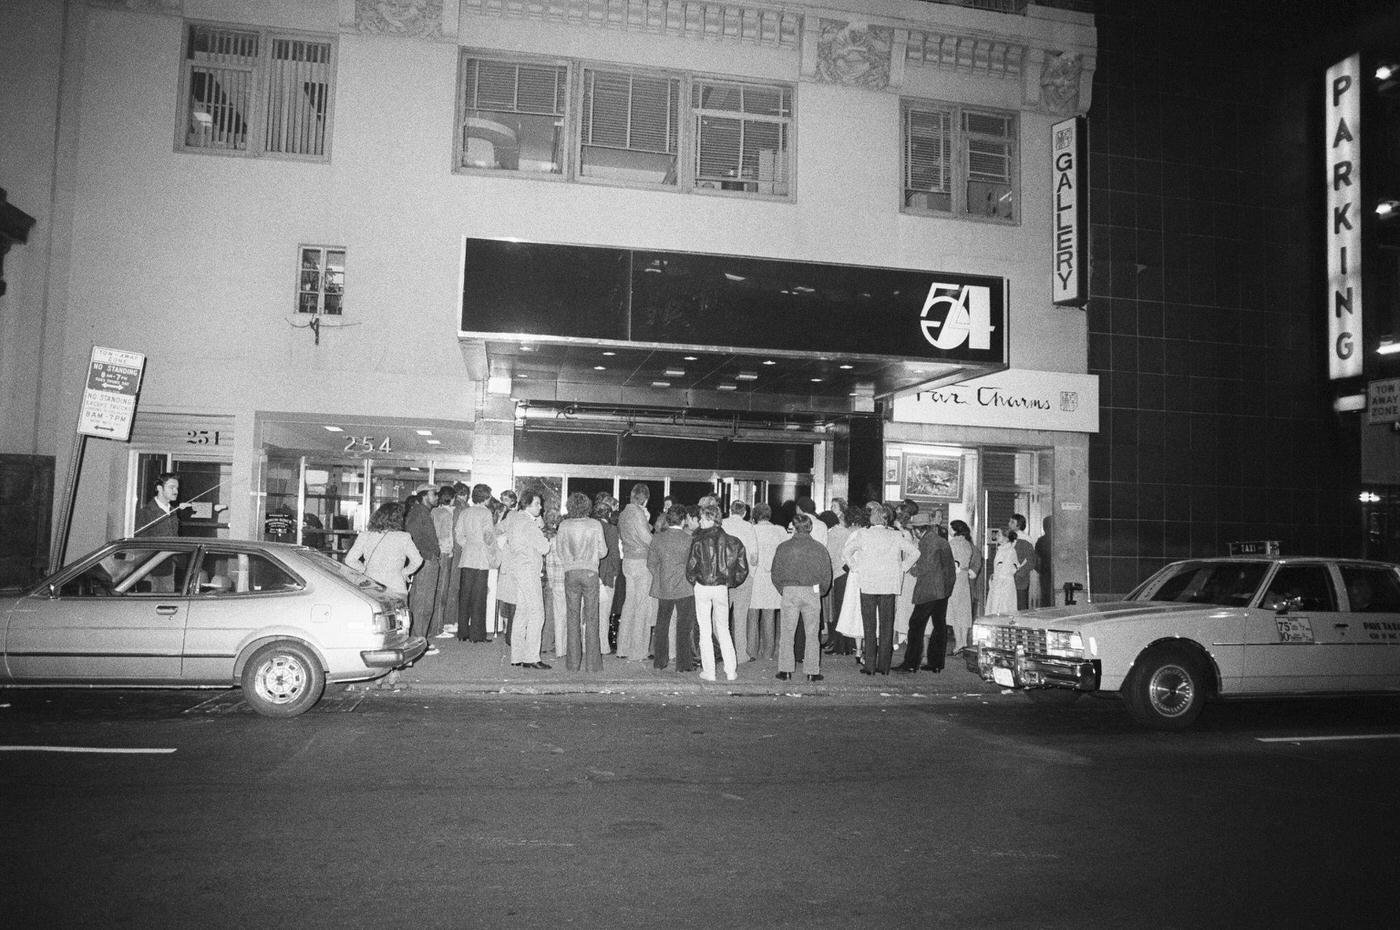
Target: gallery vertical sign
[1343, 127]
[1069, 206]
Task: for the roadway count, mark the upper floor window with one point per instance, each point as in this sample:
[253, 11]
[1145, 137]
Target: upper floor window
[321, 280]
[513, 115]
[741, 136]
[255, 92]
[960, 161]
[663, 129]
[630, 128]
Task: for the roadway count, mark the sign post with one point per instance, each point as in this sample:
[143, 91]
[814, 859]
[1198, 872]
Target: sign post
[108, 407]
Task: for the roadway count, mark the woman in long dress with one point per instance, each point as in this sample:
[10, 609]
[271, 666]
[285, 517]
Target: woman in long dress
[969, 563]
[1001, 599]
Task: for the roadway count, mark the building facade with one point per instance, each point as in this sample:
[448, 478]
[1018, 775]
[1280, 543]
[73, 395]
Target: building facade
[763, 249]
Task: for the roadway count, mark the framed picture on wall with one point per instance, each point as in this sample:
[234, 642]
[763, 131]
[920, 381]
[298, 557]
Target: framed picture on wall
[932, 477]
[891, 469]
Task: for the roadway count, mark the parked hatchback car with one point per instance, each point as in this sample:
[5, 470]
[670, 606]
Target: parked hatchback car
[279, 620]
[1204, 628]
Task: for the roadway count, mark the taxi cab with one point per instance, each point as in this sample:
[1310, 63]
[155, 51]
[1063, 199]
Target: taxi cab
[279, 620]
[1207, 628]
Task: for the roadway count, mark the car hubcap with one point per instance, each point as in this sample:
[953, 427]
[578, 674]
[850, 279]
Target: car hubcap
[1171, 690]
[281, 679]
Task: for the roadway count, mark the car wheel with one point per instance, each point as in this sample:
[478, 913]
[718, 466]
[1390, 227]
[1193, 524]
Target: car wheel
[283, 679]
[1166, 689]
[1053, 697]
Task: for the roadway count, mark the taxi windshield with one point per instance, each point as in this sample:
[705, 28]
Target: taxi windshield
[1228, 584]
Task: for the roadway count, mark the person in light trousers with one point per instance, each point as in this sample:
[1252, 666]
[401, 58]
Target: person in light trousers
[716, 563]
[802, 571]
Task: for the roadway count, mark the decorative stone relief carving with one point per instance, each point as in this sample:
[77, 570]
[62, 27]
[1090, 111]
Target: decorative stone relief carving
[855, 54]
[1059, 83]
[416, 19]
[163, 7]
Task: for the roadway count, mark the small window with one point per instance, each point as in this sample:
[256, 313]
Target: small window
[960, 162]
[321, 280]
[630, 127]
[1301, 587]
[512, 116]
[1371, 590]
[251, 92]
[742, 136]
[222, 573]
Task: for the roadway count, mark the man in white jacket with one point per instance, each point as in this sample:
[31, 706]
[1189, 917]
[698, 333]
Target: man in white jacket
[880, 556]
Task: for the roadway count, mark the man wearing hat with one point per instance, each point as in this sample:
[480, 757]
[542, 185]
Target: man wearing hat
[419, 524]
[934, 575]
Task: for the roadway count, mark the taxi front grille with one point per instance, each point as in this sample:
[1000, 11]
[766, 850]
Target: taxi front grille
[1011, 637]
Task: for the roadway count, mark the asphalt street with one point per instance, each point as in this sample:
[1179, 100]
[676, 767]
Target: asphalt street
[182, 809]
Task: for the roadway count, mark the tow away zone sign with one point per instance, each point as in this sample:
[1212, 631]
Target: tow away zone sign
[109, 399]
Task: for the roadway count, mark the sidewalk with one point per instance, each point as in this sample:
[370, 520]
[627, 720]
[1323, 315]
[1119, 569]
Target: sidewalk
[484, 668]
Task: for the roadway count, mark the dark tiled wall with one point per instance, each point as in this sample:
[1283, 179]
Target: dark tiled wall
[1205, 319]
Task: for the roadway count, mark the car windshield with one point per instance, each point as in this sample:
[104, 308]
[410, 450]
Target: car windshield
[359, 579]
[1229, 584]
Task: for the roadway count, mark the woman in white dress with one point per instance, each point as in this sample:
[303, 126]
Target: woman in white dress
[1001, 598]
[969, 562]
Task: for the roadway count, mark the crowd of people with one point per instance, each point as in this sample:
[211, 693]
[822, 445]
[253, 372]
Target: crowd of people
[599, 579]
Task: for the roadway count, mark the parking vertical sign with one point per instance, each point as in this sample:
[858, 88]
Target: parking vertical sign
[109, 399]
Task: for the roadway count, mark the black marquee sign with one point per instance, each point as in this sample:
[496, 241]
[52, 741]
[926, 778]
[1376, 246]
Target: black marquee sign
[729, 303]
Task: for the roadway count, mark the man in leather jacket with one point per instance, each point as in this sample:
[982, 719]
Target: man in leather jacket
[716, 563]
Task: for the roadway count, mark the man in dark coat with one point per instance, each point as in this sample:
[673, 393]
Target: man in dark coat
[934, 575]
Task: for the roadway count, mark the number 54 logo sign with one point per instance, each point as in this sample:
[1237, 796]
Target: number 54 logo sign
[955, 314]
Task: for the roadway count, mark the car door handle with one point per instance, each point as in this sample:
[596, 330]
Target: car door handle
[1340, 626]
[167, 610]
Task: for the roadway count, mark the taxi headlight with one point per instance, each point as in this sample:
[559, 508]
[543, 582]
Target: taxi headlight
[981, 634]
[1064, 643]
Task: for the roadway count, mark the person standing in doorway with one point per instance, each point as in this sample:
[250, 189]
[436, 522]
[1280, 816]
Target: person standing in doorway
[1025, 560]
[639, 608]
[475, 533]
[1002, 596]
[160, 516]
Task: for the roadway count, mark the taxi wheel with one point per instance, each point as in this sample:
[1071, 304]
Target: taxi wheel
[1052, 697]
[283, 679]
[1166, 688]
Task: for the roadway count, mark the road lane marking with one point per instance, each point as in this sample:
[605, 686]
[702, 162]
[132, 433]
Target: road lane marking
[98, 749]
[1324, 739]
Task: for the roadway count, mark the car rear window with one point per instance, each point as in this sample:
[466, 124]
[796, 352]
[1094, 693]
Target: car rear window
[1228, 584]
[358, 579]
